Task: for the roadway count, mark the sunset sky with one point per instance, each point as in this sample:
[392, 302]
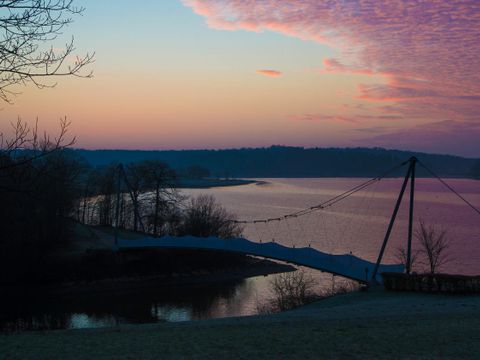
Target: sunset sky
[193, 74]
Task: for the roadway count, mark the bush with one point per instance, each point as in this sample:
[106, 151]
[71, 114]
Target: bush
[442, 283]
[204, 217]
[290, 290]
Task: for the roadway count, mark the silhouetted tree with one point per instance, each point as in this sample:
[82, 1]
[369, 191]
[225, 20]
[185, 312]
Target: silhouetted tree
[401, 255]
[135, 203]
[136, 182]
[26, 26]
[89, 181]
[38, 198]
[160, 178]
[26, 144]
[434, 243]
[204, 217]
[106, 185]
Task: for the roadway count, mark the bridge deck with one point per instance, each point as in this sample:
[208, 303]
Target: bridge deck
[348, 266]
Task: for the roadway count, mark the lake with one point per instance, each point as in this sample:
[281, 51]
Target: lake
[356, 224]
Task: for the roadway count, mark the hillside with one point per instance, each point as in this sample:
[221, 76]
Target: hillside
[281, 161]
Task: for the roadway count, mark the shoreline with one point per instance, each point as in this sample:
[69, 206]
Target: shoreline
[262, 267]
[364, 325]
[212, 183]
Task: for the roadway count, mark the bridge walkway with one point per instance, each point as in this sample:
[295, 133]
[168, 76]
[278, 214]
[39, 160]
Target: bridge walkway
[347, 265]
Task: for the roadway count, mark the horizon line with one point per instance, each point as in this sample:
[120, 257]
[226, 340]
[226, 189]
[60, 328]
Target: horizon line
[279, 146]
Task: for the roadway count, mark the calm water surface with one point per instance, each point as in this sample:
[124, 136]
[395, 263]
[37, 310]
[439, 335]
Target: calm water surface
[356, 225]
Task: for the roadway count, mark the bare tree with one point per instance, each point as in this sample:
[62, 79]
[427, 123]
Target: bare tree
[204, 217]
[106, 187]
[134, 176]
[161, 179]
[26, 144]
[292, 289]
[26, 26]
[434, 243]
[401, 255]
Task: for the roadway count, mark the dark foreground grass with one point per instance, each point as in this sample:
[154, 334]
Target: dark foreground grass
[357, 326]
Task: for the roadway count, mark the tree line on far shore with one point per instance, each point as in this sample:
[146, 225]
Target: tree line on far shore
[293, 162]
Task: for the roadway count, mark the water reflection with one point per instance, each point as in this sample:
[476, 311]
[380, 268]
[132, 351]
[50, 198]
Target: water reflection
[44, 310]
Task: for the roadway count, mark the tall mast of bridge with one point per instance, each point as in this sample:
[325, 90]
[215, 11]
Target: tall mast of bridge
[409, 176]
[413, 162]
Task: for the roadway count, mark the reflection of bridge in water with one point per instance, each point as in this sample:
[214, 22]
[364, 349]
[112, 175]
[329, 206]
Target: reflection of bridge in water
[347, 265]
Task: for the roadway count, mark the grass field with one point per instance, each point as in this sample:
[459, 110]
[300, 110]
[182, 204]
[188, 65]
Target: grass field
[360, 325]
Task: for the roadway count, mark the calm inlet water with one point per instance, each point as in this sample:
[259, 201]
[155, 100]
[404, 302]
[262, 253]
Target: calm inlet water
[356, 225]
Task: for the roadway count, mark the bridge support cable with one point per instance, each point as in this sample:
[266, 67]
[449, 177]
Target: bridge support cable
[270, 232]
[303, 231]
[450, 188]
[257, 232]
[316, 229]
[325, 230]
[289, 232]
[392, 220]
[329, 202]
[368, 212]
[351, 220]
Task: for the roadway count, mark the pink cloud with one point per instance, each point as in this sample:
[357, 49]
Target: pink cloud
[428, 51]
[321, 117]
[335, 66]
[343, 118]
[271, 73]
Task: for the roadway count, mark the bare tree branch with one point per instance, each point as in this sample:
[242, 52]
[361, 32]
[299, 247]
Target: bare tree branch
[27, 145]
[434, 243]
[25, 27]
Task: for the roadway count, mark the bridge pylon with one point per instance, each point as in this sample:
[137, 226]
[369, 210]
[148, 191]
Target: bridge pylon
[410, 175]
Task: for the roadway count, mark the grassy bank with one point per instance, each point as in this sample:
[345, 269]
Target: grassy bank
[356, 325]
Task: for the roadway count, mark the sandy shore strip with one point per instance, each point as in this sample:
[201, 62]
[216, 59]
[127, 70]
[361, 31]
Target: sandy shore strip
[362, 325]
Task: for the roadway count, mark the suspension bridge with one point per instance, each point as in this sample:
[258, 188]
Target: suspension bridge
[346, 265]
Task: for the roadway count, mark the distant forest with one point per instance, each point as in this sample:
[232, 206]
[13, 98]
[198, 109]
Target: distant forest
[283, 161]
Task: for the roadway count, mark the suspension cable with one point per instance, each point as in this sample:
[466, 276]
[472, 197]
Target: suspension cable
[449, 187]
[329, 202]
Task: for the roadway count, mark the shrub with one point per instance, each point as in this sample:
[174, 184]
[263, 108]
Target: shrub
[204, 217]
